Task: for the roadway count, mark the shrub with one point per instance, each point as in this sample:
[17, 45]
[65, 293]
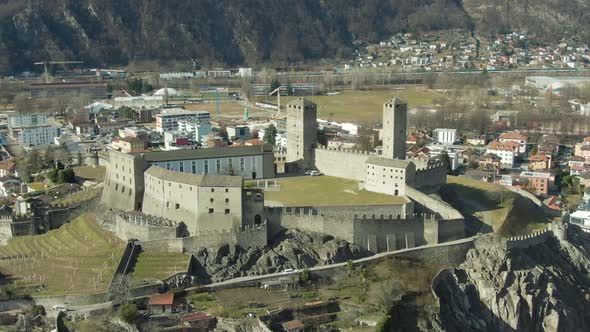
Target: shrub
[128, 312]
[38, 310]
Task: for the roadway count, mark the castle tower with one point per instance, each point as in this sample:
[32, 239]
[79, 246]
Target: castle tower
[395, 114]
[301, 132]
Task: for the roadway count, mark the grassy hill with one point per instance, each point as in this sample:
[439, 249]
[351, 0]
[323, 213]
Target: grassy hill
[487, 205]
[158, 265]
[79, 257]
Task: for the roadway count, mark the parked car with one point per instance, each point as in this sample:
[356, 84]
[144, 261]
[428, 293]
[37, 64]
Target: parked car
[313, 173]
[60, 307]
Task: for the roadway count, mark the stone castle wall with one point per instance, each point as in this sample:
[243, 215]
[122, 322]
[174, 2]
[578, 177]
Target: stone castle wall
[342, 163]
[124, 183]
[143, 228]
[433, 176]
[255, 236]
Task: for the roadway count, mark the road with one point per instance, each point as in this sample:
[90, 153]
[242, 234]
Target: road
[242, 281]
[252, 279]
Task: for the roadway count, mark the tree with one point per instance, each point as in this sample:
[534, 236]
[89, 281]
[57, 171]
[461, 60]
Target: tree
[66, 176]
[49, 156]
[305, 277]
[128, 312]
[384, 325]
[52, 175]
[270, 135]
[386, 293]
[37, 310]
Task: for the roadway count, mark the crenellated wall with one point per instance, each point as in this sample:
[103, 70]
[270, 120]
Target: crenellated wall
[342, 163]
[144, 228]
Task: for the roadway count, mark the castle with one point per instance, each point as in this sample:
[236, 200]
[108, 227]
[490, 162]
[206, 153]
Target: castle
[181, 200]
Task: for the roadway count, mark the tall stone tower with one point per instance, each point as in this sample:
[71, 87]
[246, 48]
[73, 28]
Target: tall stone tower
[301, 132]
[395, 117]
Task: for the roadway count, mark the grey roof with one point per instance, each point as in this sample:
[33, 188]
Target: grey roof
[238, 151]
[577, 158]
[386, 162]
[301, 102]
[194, 179]
[396, 101]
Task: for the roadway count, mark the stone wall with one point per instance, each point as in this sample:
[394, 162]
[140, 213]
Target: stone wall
[124, 182]
[433, 176]
[342, 163]
[426, 203]
[144, 228]
[245, 237]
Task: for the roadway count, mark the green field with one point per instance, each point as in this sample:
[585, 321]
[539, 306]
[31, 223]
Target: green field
[325, 191]
[505, 211]
[158, 265]
[79, 257]
[363, 106]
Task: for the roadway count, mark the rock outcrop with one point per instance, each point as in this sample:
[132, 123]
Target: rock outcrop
[542, 287]
[296, 250]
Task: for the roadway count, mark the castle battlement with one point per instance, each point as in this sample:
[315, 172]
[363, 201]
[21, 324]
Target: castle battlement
[351, 151]
[147, 220]
[408, 217]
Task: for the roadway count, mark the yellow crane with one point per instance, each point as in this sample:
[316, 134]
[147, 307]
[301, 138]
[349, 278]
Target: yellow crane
[45, 63]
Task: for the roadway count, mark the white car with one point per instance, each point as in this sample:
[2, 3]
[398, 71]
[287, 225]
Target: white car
[313, 173]
[60, 307]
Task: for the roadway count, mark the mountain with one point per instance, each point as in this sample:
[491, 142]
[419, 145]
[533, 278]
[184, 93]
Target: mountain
[233, 32]
[210, 31]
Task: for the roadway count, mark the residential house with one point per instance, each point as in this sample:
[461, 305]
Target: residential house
[490, 160]
[517, 138]
[199, 321]
[7, 168]
[582, 219]
[9, 185]
[128, 144]
[166, 303]
[537, 182]
[554, 203]
[506, 151]
[85, 128]
[476, 140]
[539, 162]
[576, 161]
[445, 135]
[414, 152]
[293, 326]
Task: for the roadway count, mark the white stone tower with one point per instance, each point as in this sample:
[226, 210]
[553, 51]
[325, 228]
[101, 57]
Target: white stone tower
[301, 132]
[395, 117]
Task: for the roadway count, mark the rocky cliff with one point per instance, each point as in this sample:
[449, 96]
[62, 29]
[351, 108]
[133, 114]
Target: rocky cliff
[293, 250]
[545, 287]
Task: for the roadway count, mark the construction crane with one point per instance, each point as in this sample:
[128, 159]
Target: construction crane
[278, 92]
[45, 63]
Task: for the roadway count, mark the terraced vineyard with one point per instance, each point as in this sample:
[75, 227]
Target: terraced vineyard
[158, 265]
[79, 257]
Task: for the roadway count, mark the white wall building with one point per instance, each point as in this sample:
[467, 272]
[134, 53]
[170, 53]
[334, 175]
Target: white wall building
[168, 119]
[506, 151]
[238, 132]
[25, 120]
[141, 102]
[200, 128]
[445, 135]
[41, 135]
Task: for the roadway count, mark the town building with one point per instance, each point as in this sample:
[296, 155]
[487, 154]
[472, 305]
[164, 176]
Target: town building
[445, 135]
[199, 128]
[490, 160]
[179, 141]
[539, 162]
[31, 129]
[582, 219]
[517, 138]
[506, 151]
[168, 119]
[476, 140]
[7, 168]
[238, 133]
[140, 102]
[128, 144]
[537, 181]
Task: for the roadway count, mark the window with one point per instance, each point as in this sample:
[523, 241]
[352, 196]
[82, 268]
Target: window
[177, 206]
[241, 164]
[167, 204]
[206, 167]
[194, 167]
[182, 166]
[218, 166]
[211, 210]
[211, 200]
[226, 211]
[212, 190]
[226, 190]
[168, 167]
[227, 200]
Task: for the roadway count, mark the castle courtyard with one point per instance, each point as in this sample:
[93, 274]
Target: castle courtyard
[324, 191]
